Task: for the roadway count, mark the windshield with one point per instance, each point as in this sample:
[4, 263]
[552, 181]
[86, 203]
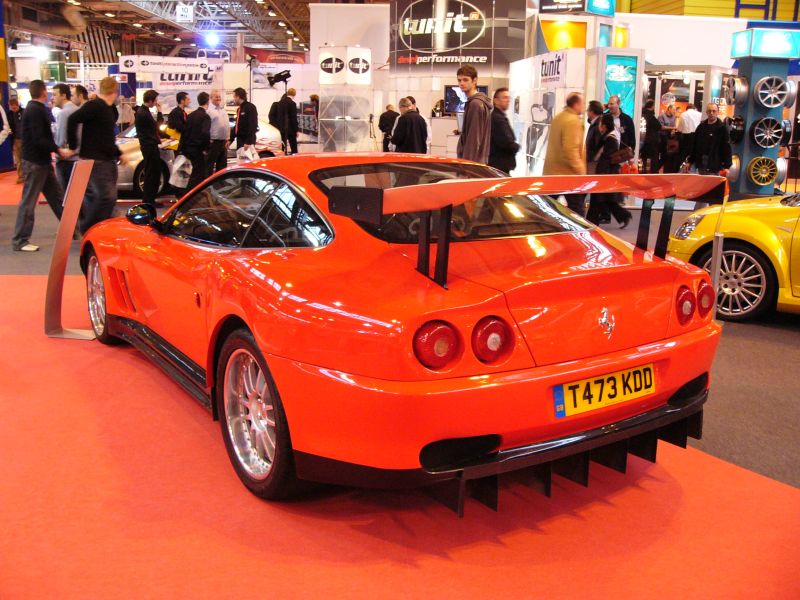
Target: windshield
[481, 218]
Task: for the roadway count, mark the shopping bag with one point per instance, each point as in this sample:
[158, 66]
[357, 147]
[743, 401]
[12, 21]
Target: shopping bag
[181, 171]
[246, 154]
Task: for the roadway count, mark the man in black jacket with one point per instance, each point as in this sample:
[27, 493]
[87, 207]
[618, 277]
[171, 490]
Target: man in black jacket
[386, 124]
[177, 117]
[147, 132]
[286, 117]
[196, 140]
[411, 131]
[38, 146]
[711, 151]
[244, 130]
[98, 142]
[503, 146]
[623, 124]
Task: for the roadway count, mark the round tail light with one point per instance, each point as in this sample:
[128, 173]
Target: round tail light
[705, 298]
[685, 304]
[436, 344]
[492, 340]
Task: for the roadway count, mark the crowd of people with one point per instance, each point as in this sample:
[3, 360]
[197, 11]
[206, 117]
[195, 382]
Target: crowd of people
[86, 128]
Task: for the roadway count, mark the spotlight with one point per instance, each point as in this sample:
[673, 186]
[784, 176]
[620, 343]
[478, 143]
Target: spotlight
[289, 32]
[281, 24]
[281, 77]
[177, 39]
[137, 25]
[109, 15]
[212, 39]
[159, 32]
[272, 13]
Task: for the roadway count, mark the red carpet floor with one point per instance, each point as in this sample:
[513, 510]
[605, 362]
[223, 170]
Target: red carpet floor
[115, 484]
[10, 190]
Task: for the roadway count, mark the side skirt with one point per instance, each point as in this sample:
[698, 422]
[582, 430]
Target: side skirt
[180, 368]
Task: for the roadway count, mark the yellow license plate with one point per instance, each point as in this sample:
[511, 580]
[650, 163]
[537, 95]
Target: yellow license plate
[596, 392]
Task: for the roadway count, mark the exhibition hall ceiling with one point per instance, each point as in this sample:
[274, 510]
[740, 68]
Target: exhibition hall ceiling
[264, 24]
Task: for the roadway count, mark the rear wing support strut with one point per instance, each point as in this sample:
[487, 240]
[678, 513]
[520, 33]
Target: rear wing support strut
[664, 227]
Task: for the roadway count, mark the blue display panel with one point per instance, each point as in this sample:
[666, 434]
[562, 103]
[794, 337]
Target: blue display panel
[766, 43]
[604, 37]
[620, 80]
[604, 8]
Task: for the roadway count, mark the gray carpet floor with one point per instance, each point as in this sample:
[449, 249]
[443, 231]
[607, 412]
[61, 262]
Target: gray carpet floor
[753, 415]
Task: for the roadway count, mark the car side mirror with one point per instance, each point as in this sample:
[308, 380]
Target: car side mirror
[142, 214]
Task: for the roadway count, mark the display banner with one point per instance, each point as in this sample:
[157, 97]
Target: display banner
[551, 69]
[359, 65]
[282, 57]
[185, 81]
[163, 64]
[443, 34]
[620, 80]
[333, 65]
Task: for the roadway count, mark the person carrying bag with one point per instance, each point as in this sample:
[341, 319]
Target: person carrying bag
[607, 156]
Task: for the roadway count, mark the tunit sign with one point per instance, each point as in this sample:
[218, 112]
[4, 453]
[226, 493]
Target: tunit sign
[428, 26]
[331, 64]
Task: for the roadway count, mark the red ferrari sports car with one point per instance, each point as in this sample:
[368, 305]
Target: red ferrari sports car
[296, 299]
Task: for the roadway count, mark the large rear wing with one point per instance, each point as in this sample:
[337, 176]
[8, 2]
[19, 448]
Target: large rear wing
[368, 205]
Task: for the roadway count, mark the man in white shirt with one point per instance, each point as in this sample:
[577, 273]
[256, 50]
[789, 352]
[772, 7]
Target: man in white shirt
[220, 133]
[62, 99]
[686, 126]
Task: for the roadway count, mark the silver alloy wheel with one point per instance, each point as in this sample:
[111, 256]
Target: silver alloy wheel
[767, 132]
[250, 414]
[742, 283]
[771, 91]
[96, 296]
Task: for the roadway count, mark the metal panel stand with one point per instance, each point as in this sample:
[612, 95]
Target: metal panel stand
[73, 198]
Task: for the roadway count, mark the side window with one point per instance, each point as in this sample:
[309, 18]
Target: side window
[221, 213]
[287, 221]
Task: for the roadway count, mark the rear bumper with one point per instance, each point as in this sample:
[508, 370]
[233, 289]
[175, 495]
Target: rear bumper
[386, 425]
[679, 418]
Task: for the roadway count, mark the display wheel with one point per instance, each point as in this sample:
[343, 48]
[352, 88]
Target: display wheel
[783, 168]
[736, 128]
[786, 127]
[792, 95]
[762, 170]
[771, 91]
[736, 89]
[735, 168]
[767, 132]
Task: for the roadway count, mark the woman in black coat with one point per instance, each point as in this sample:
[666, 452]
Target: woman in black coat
[608, 144]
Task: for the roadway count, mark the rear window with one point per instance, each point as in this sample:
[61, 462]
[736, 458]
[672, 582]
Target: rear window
[482, 218]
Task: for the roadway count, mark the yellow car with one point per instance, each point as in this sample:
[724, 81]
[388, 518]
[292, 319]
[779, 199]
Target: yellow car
[761, 258]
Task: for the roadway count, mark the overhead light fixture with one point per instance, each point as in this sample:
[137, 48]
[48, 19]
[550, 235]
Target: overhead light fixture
[177, 38]
[194, 45]
[296, 39]
[159, 33]
[109, 15]
[289, 32]
[272, 13]
[212, 39]
[137, 25]
[119, 53]
[74, 2]
[281, 24]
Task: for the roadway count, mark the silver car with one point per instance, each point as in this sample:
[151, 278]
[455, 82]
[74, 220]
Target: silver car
[130, 174]
[130, 177]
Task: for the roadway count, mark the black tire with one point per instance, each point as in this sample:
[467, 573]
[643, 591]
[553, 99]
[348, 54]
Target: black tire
[96, 313]
[281, 481]
[766, 301]
[137, 176]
